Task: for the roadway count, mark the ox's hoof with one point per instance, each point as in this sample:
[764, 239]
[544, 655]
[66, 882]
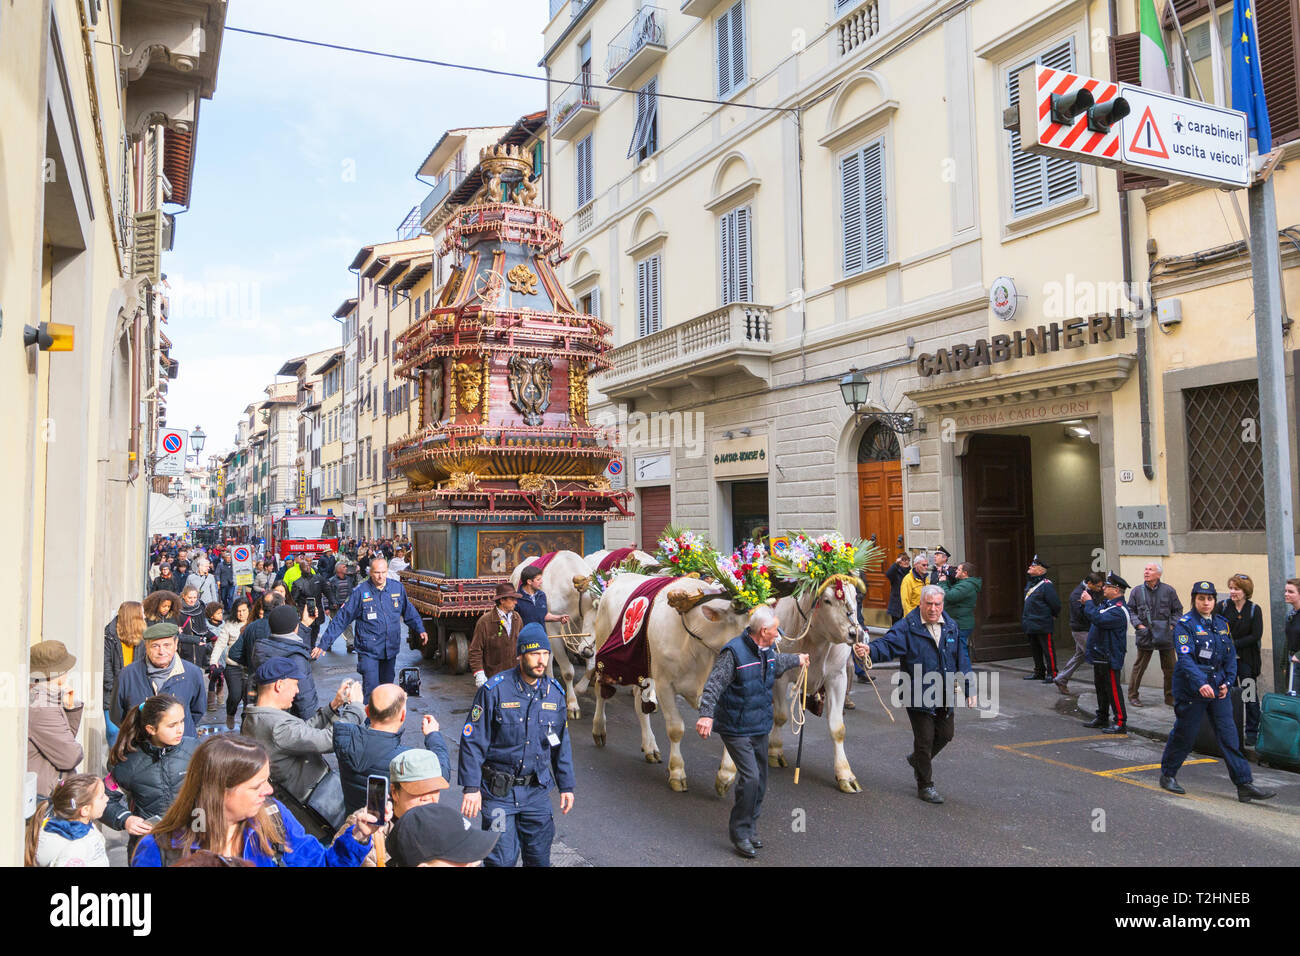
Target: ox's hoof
[777, 760]
[652, 757]
[678, 784]
[722, 785]
[575, 712]
[848, 785]
[599, 739]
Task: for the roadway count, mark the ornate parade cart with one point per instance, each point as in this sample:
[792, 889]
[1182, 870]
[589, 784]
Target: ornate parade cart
[505, 464]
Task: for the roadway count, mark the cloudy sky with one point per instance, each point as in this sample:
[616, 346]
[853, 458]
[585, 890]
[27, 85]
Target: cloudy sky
[304, 156]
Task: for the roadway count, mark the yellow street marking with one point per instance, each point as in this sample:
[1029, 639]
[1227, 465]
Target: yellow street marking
[1044, 743]
[1069, 766]
[1146, 766]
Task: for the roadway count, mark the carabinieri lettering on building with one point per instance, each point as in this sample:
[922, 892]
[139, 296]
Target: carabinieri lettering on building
[1074, 334]
[1143, 529]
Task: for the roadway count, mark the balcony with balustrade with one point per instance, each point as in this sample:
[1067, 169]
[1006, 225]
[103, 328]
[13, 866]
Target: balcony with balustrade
[638, 46]
[441, 190]
[730, 342]
[574, 108]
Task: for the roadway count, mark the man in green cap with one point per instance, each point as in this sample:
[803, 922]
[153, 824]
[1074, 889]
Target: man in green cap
[161, 671]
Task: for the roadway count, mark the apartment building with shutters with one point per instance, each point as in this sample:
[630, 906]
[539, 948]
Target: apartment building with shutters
[850, 200]
[328, 472]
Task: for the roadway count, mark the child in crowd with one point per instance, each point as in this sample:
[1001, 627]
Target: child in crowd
[62, 830]
[147, 765]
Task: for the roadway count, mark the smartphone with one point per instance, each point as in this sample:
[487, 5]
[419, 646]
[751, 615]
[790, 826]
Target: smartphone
[377, 797]
[311, 606]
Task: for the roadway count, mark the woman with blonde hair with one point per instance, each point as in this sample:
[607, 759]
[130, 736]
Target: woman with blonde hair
[226, 788]
[121, 637]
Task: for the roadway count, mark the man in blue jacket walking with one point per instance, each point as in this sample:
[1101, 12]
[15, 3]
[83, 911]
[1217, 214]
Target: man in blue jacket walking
[931, 661]
[737, 700]
[378, 607]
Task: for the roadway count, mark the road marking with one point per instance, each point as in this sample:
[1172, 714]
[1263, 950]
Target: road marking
[1059, 740]
[1016, 749]
[1146, 766]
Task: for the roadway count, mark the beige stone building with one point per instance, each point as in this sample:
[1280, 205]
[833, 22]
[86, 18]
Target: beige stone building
[101, 104]
[850, 202]
[327, 474]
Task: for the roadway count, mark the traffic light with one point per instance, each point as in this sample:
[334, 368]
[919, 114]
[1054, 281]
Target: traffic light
[1066, 106]
[1103, 116]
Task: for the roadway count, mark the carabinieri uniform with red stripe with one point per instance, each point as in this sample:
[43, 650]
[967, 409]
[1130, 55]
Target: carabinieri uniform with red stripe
[1107, 642]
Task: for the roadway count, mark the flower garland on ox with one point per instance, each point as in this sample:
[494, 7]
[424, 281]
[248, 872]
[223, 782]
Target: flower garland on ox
[682, 552]
[810, 564]
[745, 576]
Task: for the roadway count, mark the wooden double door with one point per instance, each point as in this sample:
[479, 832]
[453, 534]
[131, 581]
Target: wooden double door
[998, 496]
[880, 505]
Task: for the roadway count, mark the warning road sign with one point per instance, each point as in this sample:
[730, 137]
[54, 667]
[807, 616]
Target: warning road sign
[1147, 140]
[171, 447]
[1183, 139]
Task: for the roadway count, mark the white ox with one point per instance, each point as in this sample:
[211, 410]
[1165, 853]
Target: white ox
[642, 558]
[689, 622]
[563, 598]
[826, 625]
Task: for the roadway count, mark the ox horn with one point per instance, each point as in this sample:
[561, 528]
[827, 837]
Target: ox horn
[683, 601]
[581, 582]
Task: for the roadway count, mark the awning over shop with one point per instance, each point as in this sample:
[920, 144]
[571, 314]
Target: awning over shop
[165, 515]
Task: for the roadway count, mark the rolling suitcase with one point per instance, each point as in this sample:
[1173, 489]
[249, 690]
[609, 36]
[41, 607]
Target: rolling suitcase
[1206, 743]
[1278, 744]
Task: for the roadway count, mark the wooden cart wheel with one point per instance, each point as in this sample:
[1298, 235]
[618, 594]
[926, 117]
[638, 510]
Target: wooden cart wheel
[458, 653]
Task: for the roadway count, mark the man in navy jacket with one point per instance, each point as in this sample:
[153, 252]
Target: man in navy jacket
[368, 749]
[160, 670]
[1107, 644]
[931, 661]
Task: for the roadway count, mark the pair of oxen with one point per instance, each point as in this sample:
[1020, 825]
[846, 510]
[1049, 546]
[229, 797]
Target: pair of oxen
[688, 624]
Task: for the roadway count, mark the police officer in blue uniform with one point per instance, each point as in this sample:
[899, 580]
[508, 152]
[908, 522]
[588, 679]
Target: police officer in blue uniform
[514, 745]
[1205, 666]
[1107, 644]
[378, 606]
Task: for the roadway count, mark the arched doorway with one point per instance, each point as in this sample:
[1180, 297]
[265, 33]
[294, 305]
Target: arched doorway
[880, 502]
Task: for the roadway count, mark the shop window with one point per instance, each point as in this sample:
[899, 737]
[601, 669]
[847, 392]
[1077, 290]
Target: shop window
[1225, 469]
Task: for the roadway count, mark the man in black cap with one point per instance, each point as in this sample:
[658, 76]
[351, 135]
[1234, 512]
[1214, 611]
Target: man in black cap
[1205, 667]
[1107, 642]
[1038, 619]
[942, 573]
[437, 835]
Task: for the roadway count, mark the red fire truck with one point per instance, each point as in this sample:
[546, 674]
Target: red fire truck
[298, 533]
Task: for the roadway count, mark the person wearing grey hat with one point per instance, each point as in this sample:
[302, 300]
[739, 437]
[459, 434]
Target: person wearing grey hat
[435, 835]
[160, 670]
[53, 716]
[416, 778]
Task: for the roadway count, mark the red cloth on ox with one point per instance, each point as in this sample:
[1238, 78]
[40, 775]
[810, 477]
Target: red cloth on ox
[624, 658]
[541, 563]
[613, 558]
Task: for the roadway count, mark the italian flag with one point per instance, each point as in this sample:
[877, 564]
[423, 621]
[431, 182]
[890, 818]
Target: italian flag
[1153, 60]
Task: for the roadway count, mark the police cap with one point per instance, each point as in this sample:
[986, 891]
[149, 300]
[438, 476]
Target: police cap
[1204, 587]
[1115, 581]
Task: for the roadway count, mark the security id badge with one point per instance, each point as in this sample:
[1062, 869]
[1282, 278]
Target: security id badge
[552, 739]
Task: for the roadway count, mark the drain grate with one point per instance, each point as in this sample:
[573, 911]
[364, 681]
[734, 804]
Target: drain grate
[1126, 751]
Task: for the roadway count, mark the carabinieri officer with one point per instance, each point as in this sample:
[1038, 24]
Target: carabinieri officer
[514, 745]
[378, 606]
[1205, 666]
[1107, 644]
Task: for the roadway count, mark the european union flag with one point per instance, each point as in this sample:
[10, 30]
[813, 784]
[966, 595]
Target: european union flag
[1247, 80]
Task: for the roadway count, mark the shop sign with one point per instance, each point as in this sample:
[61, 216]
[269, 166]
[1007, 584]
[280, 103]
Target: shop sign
[1075, 334]
[1143, 529]
[740, 457]
[1026, 414]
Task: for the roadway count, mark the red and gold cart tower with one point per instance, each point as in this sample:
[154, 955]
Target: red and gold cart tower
[505, 464]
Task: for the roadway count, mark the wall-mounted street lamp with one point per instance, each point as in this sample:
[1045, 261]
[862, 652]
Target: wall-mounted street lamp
[854, 388]
[50, 337]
